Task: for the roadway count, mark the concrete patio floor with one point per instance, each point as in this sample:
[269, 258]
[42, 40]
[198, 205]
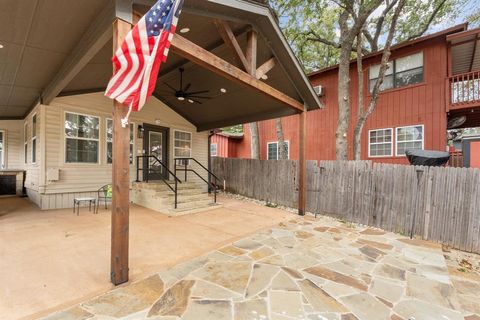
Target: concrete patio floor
[301, 269]
[53, 259]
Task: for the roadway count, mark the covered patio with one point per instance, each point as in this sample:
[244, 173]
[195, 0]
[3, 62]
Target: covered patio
[53, 259]
[232, 50]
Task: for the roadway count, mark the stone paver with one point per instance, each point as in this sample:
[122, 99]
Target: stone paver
[302, 269]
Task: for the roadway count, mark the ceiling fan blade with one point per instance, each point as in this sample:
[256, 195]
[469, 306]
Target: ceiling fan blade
[174, 90]
[198, 97]
[197, 92]
[187, 87]
[196, 101]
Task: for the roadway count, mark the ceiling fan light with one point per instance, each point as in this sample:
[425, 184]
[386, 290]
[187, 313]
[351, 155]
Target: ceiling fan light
[190, 100]
[181, 98]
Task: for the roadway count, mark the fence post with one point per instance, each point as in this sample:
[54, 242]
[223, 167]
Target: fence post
[420, 172]
[428, 204]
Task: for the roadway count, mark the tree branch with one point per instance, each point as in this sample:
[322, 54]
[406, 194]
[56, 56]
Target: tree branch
[429, 21]
[314, 37]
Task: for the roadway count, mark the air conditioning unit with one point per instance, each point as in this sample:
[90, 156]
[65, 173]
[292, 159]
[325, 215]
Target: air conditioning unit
[319, 90]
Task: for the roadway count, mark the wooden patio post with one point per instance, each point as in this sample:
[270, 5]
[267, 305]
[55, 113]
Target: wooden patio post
[120, 177]
[302, 164]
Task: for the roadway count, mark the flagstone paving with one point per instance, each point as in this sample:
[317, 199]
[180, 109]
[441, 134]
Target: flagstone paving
[303, 269]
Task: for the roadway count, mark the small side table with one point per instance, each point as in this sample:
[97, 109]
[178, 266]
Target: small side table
[77, 201]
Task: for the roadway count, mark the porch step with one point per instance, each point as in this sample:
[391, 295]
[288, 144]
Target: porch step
[191, 197]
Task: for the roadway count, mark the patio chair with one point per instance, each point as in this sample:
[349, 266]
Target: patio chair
[104, 194]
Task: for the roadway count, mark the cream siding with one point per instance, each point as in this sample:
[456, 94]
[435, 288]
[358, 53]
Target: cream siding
[32, 179]
[86, 178]
[13, 143]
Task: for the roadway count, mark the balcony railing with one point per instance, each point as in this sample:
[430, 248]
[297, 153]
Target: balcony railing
[464, 89]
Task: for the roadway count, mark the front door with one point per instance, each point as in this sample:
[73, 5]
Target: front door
[155, 143]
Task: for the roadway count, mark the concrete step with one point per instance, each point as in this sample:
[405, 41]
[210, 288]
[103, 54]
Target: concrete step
[194, 205]
[161, 186]
[191, 197]
[187, 198]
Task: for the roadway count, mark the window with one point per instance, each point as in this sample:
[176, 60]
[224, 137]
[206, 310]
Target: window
[182, 147]
[387, 80]
[34, 138]
[409, 138]
[380, 143]
[273, 152]
[25, 142]
[81, 138]
[402, 72]
[109, 138]
[2, 149]
[213, 149]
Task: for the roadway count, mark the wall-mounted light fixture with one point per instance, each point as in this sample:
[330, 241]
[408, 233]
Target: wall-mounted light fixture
[140, 131]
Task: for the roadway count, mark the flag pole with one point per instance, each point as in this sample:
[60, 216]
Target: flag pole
[120, 177]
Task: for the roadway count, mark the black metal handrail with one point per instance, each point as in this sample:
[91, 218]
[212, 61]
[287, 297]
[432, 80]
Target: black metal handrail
[150, 170]
[210, 174]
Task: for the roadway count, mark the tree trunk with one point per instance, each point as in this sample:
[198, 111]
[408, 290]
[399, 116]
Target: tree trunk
[364, 114]
[282, 146]
[357, 134]
[343, 99]
[255, 143]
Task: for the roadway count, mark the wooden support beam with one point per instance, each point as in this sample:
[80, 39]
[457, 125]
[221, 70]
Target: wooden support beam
[265, 68]
[231, 41]
[302, 164]
[120, 177]
[94, 39]
[209, 61]
[252, 52]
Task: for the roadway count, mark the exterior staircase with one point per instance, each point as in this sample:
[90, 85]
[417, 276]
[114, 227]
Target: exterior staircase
[156, 195]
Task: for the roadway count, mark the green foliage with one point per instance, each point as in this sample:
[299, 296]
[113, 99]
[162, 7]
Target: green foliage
[233, 129]
[306, 22]
[298, 18]
[416, 15]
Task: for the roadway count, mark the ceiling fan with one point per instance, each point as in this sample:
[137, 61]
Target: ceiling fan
[182, 94]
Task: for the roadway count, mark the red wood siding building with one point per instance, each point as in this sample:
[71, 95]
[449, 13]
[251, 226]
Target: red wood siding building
[424, 104]
[227, 145]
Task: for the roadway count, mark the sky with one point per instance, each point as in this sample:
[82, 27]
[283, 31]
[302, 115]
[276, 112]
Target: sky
[470, 7]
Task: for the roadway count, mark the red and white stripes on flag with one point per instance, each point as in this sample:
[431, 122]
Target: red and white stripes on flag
[138, 59]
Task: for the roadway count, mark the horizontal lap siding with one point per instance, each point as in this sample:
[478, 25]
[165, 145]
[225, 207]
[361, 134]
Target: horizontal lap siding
[33, 179]
[12, 141]
[90, 177]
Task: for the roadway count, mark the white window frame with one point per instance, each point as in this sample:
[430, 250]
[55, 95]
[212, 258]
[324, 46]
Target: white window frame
[278, 151]
[3, 165]
[25, 142]
[34, 138]
[89, 139]
[216, 149]
[396, 138]
[370, 143]
[107, 141]
[393, 67]
[191, 143]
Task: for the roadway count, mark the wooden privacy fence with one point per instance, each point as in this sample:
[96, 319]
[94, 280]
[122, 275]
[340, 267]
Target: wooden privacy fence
[436, 203]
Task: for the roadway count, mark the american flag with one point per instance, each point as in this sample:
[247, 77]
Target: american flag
[137, 61]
